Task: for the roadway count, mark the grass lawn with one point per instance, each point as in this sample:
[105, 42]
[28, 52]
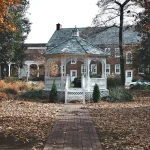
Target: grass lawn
[123, 126]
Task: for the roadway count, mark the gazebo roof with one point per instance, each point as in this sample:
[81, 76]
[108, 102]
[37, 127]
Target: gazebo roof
[75, 45]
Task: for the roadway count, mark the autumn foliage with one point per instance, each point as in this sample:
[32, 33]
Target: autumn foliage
[4, 14]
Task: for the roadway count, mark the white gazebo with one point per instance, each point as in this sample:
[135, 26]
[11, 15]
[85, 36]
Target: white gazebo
[71, 59]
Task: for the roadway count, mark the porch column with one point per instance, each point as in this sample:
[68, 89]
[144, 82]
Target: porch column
[28, 70]
[47, 69]
[9, 65]
[103, 68]
[88, 73]
[62, 73]
[38, 71]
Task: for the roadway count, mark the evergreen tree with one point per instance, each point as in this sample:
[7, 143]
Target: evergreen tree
[96, 94]
[53, 93]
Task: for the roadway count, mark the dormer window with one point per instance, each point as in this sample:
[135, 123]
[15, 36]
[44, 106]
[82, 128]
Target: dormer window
[107, 51]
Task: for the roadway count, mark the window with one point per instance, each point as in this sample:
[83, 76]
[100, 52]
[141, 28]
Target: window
[117, 52]
[141, 70]
[83, 69]
[73, 61]
[107, 69]
[128, 58]
[94, 68]
[107, 51]
[74, 73]
[117, 68]
[129, 74]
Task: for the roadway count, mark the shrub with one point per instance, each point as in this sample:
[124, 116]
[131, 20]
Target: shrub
[2, 84]
[10, 79]
[113, 82]
[96, 94]
[33, 94]
[10, 91]
[22, 86]
[53, 93]
[119, 94]
[77, 82]
[3, 96]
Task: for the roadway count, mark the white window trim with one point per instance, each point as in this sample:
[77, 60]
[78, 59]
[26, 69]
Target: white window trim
[117, 68]
[71, 72]
[117, 49]
[95, 67]
[128, 62]
[73, 61]
[108, 67]
[83, 69]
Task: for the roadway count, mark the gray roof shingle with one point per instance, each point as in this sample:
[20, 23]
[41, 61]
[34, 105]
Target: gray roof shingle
[75, 45]
[96, 36]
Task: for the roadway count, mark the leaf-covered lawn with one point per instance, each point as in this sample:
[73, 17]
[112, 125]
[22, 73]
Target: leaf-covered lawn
[123, 126]
[27, 122]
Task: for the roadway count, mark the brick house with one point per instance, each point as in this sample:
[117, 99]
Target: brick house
[108, 41]
[33, 66]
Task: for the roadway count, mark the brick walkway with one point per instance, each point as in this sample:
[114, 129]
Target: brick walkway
[73, 131]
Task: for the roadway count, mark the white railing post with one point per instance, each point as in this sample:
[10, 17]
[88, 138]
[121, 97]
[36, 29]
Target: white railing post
[66, 89]
[83, 87]
[83, 81]
[83, 95]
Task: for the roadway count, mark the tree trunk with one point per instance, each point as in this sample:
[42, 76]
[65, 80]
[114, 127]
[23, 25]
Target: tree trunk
[121, 47]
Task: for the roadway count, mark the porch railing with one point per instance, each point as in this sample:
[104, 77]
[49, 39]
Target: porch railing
[101, 82]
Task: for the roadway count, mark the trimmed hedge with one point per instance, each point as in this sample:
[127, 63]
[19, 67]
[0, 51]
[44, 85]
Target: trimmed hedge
[96, 94]
[53, 93]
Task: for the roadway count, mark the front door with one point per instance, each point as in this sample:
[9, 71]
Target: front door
[129, 76]
[73, 74]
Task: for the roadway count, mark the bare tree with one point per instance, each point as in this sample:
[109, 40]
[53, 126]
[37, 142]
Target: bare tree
[117, 13]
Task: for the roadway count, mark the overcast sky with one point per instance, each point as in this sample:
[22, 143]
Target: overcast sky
[45, 14]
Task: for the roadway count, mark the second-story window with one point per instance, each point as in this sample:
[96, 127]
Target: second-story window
[117, 52]
[117, 68]
[129, 58]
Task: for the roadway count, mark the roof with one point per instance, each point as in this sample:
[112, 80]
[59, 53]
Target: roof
[75, 45]
[96, 36]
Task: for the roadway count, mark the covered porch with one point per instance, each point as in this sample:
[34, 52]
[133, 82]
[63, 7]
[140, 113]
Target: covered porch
[75, 58]
[65, 68]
